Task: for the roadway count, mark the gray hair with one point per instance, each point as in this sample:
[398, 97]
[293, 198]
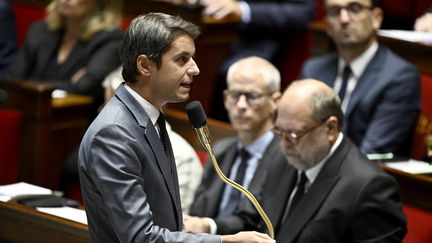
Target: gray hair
[266, 70]
[326, 103]
[151, 34]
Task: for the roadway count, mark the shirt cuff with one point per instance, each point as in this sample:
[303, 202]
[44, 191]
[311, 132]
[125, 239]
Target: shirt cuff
[246, 12]
[213, 226]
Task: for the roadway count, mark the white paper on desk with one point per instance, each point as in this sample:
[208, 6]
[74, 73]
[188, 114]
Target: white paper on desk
[411, 166]
[21, 188]
[408, 35]
[74, 214]
[58, 93]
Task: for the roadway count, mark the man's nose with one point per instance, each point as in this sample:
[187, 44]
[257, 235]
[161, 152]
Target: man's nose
[242, 101]
[344, 15]
[193, 69]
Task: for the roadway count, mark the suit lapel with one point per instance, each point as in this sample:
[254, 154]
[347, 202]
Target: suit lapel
[156, 145]
[329, 74]
[49, 50]
[367, 79]
[311, 202]
[280, 194]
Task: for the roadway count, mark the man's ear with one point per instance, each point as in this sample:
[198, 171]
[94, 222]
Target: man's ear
[333, 127]
[377, 17]
[144, 65]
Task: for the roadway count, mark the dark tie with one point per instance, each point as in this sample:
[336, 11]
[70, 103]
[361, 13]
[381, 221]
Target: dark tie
[234, 197]
[297, 196]
[346, 74]
[163, 134]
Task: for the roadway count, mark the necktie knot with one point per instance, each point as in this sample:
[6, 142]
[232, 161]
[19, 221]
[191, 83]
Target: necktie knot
[301, 182]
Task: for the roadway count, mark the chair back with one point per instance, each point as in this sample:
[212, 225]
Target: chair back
[424, 122]
[10, 126]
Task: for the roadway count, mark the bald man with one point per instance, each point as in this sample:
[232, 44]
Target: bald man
[337, 194]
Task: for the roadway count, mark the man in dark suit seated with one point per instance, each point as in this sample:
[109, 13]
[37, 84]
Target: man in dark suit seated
[250, 100]
[126, 164]
[336, 194]
[380, 91]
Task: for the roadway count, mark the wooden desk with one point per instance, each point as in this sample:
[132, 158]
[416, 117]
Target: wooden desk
[417, 53]
[23, 224]
[51, 129]
[416, 190]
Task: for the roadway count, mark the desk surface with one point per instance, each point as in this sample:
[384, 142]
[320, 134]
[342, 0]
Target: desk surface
[416, 190]
[23, 224]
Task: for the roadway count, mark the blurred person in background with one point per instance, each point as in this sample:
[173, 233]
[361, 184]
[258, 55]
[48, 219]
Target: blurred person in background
[73, 48]
[8, 38]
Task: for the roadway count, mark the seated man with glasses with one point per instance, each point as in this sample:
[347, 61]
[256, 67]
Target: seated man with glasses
[343, 196]
[251, 158]
[380, 92]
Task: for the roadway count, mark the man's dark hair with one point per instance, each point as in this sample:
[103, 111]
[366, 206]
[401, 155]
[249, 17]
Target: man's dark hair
[151, 34]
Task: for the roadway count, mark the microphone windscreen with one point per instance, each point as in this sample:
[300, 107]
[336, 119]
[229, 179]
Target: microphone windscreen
[197, 117]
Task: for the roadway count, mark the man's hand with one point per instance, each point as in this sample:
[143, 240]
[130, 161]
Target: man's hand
[195, 225]
[220, 9]
[249, 237]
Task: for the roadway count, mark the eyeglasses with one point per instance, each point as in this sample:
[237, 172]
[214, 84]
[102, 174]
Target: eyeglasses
[353, 9]
[252, 98]
[295, 136]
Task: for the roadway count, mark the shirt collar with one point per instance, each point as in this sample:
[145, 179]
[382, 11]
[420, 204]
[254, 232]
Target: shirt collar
[313, 172]
[259, 146]
[151, 111]
[359, 64]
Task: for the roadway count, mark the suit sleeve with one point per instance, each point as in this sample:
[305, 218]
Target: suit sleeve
[378, 216]
[115, 170]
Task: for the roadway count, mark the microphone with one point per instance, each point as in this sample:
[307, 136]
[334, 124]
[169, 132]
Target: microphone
[198, 120]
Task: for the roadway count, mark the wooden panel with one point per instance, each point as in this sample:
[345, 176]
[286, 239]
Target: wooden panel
[416, 190]
[51, 129]
[23, 224]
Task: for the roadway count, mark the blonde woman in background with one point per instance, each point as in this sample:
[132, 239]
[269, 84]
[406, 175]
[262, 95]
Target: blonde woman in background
[74, 47]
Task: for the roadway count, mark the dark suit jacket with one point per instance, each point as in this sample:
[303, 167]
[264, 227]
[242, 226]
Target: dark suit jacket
[99, 56]
[129, 194]
[385, 104]
[209, 194]
[8, 37]
[351, 200]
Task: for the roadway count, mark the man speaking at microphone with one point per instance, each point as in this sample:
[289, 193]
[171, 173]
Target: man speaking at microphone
[126, 165]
